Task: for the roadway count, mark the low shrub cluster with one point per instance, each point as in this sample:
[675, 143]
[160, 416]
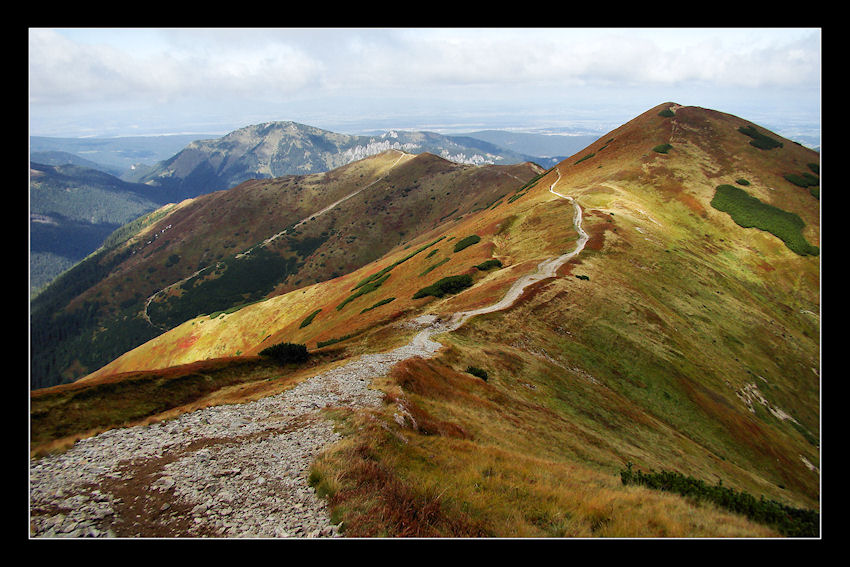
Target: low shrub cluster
[749, 212]
[309, 319]
[488, 264]
[467, 242]
[444, 286]
[428, 270]
[792, 522]
[477, 372]
[378, 304]
[662, 148]
[286, 353]
[759, 140]
[363, 290]
[588, 156]
[321, 344]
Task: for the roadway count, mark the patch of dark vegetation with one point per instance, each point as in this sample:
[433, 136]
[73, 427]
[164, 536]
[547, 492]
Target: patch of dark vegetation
[445, 286]
[380, 273]
[583, 277]
[489, 264]
[321, 344]
[363, 290]
[237, 281]
[667, 113]
[588, 156]
[742, 181]
[467, 242]
[750, 212]
[428, 270]
[286, 353]
[378, 304]
[789, 521]
[662, 148]
[759, 140]
[803, 180]
[309, 319]
[477, 372]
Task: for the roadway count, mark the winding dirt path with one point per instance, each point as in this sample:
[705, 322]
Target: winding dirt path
[236, 470]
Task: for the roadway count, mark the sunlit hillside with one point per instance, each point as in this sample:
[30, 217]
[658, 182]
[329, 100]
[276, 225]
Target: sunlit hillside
[685, 336]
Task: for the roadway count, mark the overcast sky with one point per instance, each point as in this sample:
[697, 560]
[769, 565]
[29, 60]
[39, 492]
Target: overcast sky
[125, 81]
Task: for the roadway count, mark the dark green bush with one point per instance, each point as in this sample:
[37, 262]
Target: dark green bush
[444, 286]
[759, 140]
[478, 372]
[286, 353]
[467, 242]
[662, 148]
[487, 264]
[666, 113]
[792, 522]
[742, 181]
[804, 179]
[309, 319]
[378, 304]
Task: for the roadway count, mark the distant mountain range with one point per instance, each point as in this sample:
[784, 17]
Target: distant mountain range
[82, 189]
[274, 149]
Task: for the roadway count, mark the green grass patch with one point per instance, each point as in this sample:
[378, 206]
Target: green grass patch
[445, 286]
[588, 156]
[791, 522]
[666, 113]
[750, 212]
[662, 148]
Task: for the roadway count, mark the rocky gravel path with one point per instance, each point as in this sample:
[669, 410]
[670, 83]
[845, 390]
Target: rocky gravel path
[226, 471]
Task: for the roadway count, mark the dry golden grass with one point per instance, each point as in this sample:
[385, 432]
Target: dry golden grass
[642, 362]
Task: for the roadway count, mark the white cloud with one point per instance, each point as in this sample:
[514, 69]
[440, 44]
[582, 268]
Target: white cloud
[436, 68]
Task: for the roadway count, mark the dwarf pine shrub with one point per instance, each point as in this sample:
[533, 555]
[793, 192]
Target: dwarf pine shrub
[444, 286]
[286, 353]
[793, 522]
[477, 372]
[467, 242]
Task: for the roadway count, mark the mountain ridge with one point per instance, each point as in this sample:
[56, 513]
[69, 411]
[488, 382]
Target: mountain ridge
[679, 337]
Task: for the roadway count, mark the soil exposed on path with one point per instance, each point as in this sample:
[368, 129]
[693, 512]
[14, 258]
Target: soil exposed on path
[235, 470]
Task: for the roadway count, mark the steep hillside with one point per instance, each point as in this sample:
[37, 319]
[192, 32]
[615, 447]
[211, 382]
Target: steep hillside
[684, 336]
[73, 208]
[274, 149]
[259, 239]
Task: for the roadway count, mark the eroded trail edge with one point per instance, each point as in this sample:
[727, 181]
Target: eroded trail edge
[233, 470]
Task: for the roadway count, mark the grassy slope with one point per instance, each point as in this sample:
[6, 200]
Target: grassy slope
[649, 360]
